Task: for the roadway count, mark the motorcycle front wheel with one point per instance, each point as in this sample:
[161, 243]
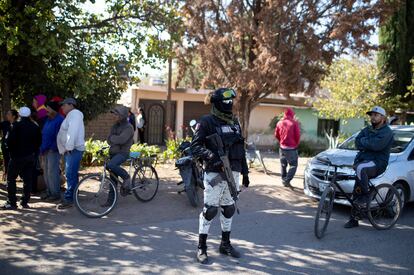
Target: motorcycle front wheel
[192, 194]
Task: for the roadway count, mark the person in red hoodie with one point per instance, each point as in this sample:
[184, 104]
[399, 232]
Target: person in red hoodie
[287, 132]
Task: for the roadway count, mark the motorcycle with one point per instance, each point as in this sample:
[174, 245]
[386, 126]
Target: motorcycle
[191, 171]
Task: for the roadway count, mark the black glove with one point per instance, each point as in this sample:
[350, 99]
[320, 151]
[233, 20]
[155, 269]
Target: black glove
[246, 180]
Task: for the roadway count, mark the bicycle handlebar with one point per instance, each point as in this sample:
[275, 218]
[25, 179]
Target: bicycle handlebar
[329, 163]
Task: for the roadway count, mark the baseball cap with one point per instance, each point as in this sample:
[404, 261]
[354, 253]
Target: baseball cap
[69, 100]
[24, 112]
[377, 109]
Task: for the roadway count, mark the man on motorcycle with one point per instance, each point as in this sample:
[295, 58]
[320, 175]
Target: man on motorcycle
[216, 193]
[374, 145]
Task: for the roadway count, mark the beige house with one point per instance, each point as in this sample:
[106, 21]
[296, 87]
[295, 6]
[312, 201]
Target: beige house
[189, 104]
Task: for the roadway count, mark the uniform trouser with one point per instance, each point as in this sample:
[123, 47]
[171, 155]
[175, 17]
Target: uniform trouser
[288, 156]
[217, 196]
[22, 166]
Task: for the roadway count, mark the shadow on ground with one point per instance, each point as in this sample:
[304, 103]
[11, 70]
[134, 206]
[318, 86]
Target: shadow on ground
[274, 232]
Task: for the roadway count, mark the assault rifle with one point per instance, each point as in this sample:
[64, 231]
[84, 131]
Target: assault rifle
[215, 139]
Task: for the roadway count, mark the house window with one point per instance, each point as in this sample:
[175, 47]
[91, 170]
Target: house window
[328, 125]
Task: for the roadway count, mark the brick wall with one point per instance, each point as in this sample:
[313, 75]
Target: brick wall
[99, 127]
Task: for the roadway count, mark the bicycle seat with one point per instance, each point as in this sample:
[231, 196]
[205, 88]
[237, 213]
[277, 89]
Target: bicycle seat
[134, 155]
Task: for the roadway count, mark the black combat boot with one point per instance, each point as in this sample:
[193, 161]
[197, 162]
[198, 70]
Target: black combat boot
[225, 246]
[202, 249]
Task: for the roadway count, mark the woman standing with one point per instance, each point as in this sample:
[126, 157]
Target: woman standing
[6, 125]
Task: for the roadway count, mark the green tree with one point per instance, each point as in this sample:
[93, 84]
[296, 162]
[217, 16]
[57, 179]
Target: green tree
[397, 49]
[57, 48]
[350, 88]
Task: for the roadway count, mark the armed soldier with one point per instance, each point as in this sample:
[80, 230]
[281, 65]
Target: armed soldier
[218, 141]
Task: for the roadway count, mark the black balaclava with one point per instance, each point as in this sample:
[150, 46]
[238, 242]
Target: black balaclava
[222, 99]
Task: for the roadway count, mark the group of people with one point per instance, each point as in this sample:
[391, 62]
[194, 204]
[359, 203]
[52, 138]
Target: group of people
[51, 129]
[39, 137]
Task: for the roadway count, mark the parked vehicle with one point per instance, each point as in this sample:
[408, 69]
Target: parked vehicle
[191, 171]
[399, 173]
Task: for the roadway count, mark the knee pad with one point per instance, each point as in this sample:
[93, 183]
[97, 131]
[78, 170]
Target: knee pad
[209, 212]
[228, 211]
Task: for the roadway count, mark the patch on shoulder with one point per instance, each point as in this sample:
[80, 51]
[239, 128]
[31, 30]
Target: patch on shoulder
[197, 126]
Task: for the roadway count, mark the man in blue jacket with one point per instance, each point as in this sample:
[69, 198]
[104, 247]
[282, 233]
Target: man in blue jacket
[49, 151]
[374, 145]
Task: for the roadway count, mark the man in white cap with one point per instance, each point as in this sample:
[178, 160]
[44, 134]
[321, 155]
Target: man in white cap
[374, 145]
[23, 143]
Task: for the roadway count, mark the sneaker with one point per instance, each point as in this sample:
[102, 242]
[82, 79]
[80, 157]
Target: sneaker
[124, 192]
[52, 199]
[286, 184]
[202, 255]
[25, 205]
[9, 206]
[44, 196]
[227, 249]
[127, 184]
[351, 223]
[65, 205]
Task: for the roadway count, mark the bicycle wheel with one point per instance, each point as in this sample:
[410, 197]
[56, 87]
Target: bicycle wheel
[324, 211]
[384, 207]
[95, 197]
[145, 183]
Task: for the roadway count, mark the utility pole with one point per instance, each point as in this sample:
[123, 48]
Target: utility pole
[168, 112]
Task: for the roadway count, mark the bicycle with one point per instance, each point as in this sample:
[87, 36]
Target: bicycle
[96, 194]
[383, 208]
[252, 153]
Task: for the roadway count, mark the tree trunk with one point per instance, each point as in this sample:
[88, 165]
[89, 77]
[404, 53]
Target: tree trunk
[5, 96]
[244, 110]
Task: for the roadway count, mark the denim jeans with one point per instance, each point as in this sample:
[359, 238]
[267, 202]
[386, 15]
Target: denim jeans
[114, 164]
[72, 164]
[288, 156]
[51, 173]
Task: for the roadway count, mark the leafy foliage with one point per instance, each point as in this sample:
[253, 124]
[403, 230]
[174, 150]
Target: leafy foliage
[350, 89]
[91, 156]
[173, 143]
[57, 48]
[145, 150]
[397, 49]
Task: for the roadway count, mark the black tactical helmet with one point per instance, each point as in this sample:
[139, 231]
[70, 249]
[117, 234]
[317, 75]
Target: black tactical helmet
[223, 99]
